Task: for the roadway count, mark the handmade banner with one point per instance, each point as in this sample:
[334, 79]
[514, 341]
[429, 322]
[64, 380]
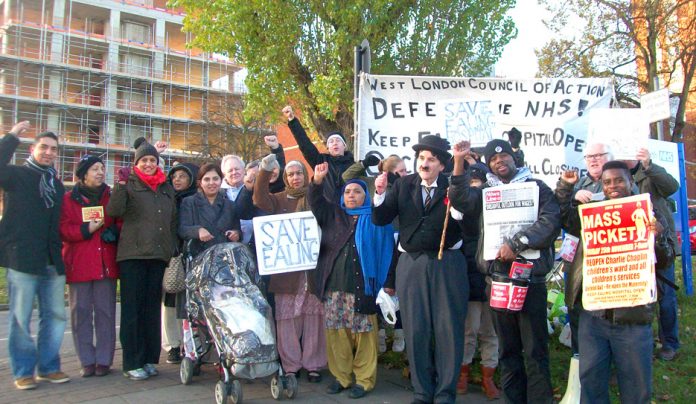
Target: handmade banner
[395, 112]
[287, 242]
[618, 263]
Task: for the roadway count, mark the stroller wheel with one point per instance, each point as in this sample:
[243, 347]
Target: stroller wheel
[186, 370]
[234, 391]
[221, 393]
[291, 387]
[276, 387]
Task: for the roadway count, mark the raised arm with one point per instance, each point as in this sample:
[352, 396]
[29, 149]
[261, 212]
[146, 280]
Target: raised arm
[8, 145]
[308, 149]
[661, 183]
[322, 207]
[262, 195]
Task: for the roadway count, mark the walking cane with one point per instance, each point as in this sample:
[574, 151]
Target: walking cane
[444, 230]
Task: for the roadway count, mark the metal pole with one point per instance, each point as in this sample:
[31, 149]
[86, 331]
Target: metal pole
[658, 124]
[684, 219]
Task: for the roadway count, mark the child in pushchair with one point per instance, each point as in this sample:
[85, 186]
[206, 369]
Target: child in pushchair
[226, 309]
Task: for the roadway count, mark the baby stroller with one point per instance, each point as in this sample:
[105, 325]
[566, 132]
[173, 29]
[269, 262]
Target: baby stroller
[227, 310]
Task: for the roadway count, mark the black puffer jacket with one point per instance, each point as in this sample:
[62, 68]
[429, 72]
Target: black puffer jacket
[542, 234]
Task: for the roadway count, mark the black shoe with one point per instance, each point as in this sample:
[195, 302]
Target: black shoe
[335, 387]
[174, 355]
[313, 377]
[666, 354]
[357, 391]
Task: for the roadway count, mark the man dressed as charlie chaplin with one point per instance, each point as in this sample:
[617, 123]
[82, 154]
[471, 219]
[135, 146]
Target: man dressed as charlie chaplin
[434, 293]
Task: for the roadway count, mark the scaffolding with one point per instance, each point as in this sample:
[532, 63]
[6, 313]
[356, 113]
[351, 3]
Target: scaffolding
[101, 75]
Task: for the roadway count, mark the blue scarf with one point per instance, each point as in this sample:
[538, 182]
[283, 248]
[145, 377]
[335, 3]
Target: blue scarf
[375, 244]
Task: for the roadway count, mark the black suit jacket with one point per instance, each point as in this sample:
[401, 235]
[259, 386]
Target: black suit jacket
[420, 230]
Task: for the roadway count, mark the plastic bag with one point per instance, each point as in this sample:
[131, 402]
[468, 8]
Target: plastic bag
[389, 306]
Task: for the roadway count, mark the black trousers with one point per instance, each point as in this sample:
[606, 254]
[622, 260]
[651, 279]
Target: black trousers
[524, 350]
[433, 296]
[141, 297]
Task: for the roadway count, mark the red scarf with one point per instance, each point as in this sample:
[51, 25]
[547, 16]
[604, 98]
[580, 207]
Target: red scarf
[152, 181]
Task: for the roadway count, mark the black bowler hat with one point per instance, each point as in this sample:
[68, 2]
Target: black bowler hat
[436, 145]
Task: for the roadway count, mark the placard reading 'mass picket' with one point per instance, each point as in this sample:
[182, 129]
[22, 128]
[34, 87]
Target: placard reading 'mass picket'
[618, 264]
[287, 242]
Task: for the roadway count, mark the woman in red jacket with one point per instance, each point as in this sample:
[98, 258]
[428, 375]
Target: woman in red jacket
[89, 251]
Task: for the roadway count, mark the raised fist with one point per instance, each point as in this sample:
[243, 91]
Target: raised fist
[271, 141]
[570, 176]
[287, 111]
[462, 149]
[381, 183]
[320, 171]
[20, 127]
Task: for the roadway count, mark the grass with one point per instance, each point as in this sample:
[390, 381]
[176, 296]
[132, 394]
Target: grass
[673, 382]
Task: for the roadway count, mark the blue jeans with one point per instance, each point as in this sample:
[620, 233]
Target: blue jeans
[25, 355]
[668, 324]
[629, 347]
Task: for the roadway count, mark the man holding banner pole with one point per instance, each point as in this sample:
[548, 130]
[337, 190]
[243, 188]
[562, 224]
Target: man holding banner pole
[433, 293]
[618, 286]
[523, 334]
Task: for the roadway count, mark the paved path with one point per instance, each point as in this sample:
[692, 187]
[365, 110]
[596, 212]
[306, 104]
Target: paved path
[167, 388]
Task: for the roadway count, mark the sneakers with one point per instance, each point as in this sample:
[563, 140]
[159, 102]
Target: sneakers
[136, 374]
[25, 383]
[382, 341]
[174, 355]
[55, 377]
[313, 376]
[150, 369]
[399, 343]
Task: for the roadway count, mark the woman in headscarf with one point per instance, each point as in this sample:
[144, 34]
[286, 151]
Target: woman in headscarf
[89, 253]
[299, 314]
[147, 205]
[354, 260]
[208, 217]
[183, 179]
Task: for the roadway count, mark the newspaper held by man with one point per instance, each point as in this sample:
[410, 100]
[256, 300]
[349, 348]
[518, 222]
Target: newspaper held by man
[508, 209]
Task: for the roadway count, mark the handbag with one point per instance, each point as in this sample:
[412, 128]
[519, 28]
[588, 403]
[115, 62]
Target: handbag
[174, 279]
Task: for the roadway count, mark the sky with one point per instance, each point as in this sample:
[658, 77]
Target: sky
[518, 59]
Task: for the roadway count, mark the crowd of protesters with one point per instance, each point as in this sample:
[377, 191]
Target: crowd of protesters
[385, 232]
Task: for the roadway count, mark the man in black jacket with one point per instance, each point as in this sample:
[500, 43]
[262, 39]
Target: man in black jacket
[30, 249]
[434, 293]
[338, 157]
[523, 335]
[622, 336]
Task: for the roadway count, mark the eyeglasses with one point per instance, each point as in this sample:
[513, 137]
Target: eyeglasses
[595, 156]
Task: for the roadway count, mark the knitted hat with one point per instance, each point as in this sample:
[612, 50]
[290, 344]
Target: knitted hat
[338, 135]
[143, 148]
[478, 171]
[436, 145]
[496, 146]
[84, 164]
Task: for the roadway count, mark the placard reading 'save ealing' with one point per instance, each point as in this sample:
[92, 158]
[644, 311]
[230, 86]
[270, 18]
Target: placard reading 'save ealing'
[395, 112]
[287, 242]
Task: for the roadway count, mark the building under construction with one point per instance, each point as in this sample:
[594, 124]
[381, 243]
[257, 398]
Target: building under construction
[101, 73]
